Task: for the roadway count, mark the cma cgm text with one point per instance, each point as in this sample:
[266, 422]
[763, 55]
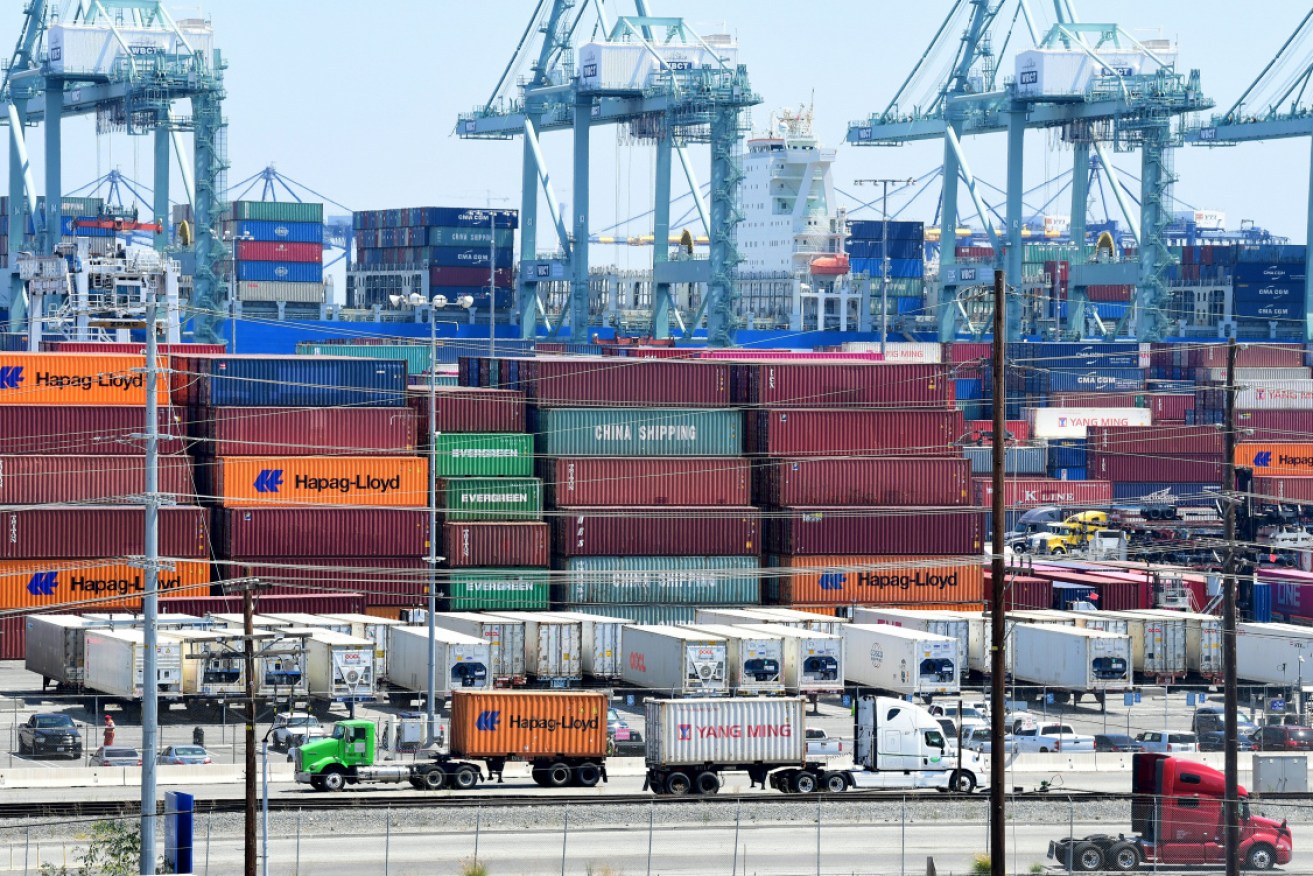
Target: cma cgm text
[624, 432]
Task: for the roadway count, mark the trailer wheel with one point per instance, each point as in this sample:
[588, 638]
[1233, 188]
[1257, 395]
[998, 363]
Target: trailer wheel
[962, 781]
[1124, 857]
[803, 782]
[1261, 857]
[678, 784]
[1088, 857]
[834, 783]
[539, 777]
[333, 779]
[464, 778]
[708, 783]
[433, 779]
[587, 775]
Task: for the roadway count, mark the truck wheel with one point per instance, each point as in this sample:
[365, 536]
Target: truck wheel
[333, 779]
[433, 779]
[678, 784]
[803, 782]
[708, 783]
[657, 782]
[1261, 857]
[317, 782]
[1088, 857]
[539, 777]
[587, 775]
[558, 775]
[464, 778]
[962, 781]
[416, 783]
[834, 783]
[1124, 857]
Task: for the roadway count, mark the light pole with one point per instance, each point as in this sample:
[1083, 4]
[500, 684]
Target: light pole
[884, 252]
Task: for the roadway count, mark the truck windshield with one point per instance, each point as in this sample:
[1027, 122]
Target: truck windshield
[338, 732]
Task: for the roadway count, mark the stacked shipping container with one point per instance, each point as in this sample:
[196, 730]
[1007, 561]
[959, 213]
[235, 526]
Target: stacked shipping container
[278, 251]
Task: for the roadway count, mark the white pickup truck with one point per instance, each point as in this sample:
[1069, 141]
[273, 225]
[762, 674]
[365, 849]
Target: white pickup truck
[1050, 737]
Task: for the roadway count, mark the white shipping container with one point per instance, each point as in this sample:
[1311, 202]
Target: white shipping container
[281, 664]
[1071, 658]
[115, 663]
[727, 732]
[1203, 640]
[54, 648]
[83, 48]
[813, 660]
[1158, 644]
[978, 658]
[756, 659]
[1271, 653]
[1278, 395]
[462, 660]
[553, 649]
[1073, 422]
[1060, 73]
[789, 617]
[376, 629]
[674, 659]
[900, 352]
[280, 290]
[505, 638]
[900, 661]
[941, 623]
[339, 668]
[1108, 621]
[614, 66]
[602, 644]
[1250, 375]
[212, 665]
[315, 622]
[236, 622]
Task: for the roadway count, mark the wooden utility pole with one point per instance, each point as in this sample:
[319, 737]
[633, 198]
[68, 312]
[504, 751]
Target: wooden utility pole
[1231, 697]
[997, 620]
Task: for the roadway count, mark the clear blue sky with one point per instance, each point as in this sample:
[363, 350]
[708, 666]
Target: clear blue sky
[359, 100]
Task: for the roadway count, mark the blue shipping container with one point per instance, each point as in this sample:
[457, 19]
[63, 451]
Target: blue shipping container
[873, 229]
[1260, 603]
[303, 382]
[1278, 253]
[1067, 453]
[1065, 594]
[1068, 474]
[1072, 355]
[1100, 380]
[468, 256]
[906, 268]
[285, 272]
[1187, 495]
[1260, 272]
[283, 232]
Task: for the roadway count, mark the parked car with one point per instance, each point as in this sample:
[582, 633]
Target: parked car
[1168, 743]
[1116, 742]
[967, 716]
[184, 755]
[49, 733]
[1281, 737]
[978, 739]
[292, 729]
[1045, 738]
[1215, 740]
[116, 756]
[1211, 719]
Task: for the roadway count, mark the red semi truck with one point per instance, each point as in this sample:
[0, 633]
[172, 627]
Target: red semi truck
[1177, 818]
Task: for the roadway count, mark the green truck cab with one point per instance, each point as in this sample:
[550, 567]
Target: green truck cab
[349, 755]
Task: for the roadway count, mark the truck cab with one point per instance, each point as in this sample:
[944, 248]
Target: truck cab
[348, 757]
[901, 745]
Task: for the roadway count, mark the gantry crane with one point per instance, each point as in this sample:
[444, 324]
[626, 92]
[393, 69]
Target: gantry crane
[126, 61]
[677, 89]
[1119, 106]
[1275, 106]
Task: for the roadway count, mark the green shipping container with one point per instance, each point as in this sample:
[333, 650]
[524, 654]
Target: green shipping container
[660, 580]
[505, 237]
[638, 432]
[488, 589]
[278, 211]
[485, 454]
[491, 498]
[416, 356]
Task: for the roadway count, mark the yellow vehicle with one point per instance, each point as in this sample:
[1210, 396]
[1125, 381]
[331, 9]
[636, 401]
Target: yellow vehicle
[1089, 520]
[1060, 538]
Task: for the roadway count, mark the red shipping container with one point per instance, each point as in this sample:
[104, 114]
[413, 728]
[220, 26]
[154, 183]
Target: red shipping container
[815, 432]
[508, 544]
[306, 603]
[1156, 468]
[658, 532]
[47, 480]
[870, 482]
[381, 580]
[1032, 492]
[134, 348]
[797, 357]
[102, 431]
[307, 431]
[1097, 400]
[835, 386]
[1248, 356]
[278, 251]
[469, 409]
[1275, 426]
[1126, 595]
[1018, 429]
[321, 532]
[1116, 294]
[575, 382]
[1021, 593]
[1200, 442]
[13, 637]
[1170, 408]
[1292, 489]
[907, 531]
[97, 531]
[960, 353]
[444, 275]
[575, 481]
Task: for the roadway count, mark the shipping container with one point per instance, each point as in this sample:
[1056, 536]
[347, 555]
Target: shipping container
[813, 660]
[817, 432]
[490, 498]
[1158, 645]
[1203, 641]
[100, 430]
[1033, 492]
[942, 623]
[78, 379]
[553, 647]
[306, 431]
[641, 614]
[696, 732]
[485, 455]
[690, 481]
[463, 661]
[1073, 422]
[1204, 442]
[278, 251]
[319, 532]
[1292, 490]
[1251, 375]
[379, 581]
[377, 630]
[833, 385]
[874, 580]
[45, 480]
[905, 531]
[1017, 461]
[93, 531]
[418, 357]
[280, 290]
[542, 724]
[210, 661]
[279, 211]
[115, 660]
[289, 232]
[1268, 653]
[1071, 659]
[1273, 459]
[910, 481]
[279, 272]
[658, 531]
[94, 583]
[496, 544]
[505, 638]
[298, 382]
[469, 409]
[137, 348]
[339, 668]
[675, 660]
[654, 580]
[1276, 395]
[318, 603]
[1159, 466]
[821, 618]
[612, 382]
[637, 432]
[901, 661]
[911, 352]
[252, 481]
[755, 660]
[1264, 425]
[603, 637]
[495, 589]
[55, 649]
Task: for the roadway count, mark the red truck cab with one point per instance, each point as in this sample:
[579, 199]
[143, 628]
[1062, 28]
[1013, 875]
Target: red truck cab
[1178, 818]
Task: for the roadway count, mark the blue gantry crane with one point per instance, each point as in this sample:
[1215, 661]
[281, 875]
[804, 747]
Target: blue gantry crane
[127, 62]
[668, 86]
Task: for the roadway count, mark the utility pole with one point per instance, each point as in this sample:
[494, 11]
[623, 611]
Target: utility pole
[997, 613]
[430, 709]
[150, 598]
[1231, 696]
[492, 283]
[247, 587]
[884, 253]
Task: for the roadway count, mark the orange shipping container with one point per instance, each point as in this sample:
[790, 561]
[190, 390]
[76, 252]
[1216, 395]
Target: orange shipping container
[528, 724]
[93, 585]
[391, 481]
[77, 379]
[876, 580]
[1276, 460]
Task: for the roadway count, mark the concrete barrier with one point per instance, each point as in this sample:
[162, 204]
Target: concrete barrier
[92, 777]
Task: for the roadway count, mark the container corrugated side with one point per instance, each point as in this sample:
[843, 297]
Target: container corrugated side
[77, 379]
[416, 356]
[657, 531]
[321, 532]
[317, 603]
[1296, 489]
[42, 480]
[93, 531]
[306, 431]
[746, 730]
[788, 482]
[484, 454]
[300, 381]
[470, 409]
[820, 432]
[612, 381]
[1155, 467]
[639, 614]
[1016, 460]
[529, 724]
[497, 543]
[279, 211]
[490, 498]
[94, 584]
[401, 581]
[495, 589]
[280, 290]
[575, 481]
[906, 531]
[875, 580]
[633, 432]
[834, 385]
[390, 481]
[89, 429]
[1202, 441]
[1030, 492]
[650, 581]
